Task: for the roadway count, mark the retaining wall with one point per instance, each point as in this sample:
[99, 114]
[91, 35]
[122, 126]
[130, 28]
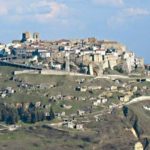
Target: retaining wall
[26, 72]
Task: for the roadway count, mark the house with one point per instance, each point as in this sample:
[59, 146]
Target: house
[47, 115]
[67, 48]
[2, 46]
[3, 95]
[81, 98]
[125, 98]
[135, 88]
[81, 89]
[43, 53]
[113, 88]
[10, 90]
[110, 50]
[67, 106]
[94, 88]
[44, 86]
[121, 98]
[117, 81]
[124, 85]
[100, 101]
[63, 113]
[147, 72]
[101, 52]
[56, 66]
[22, 51]
[121, 90]
[77, 51]
[3, 53]
[85, 52]
[97, 58]
[79, 126]
[71, 125]
[37, 104]
[145, 87]
[103, 101]
[107, 88]
[80, 112]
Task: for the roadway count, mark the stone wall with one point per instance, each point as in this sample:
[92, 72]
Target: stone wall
[26, 72]
[55, 72]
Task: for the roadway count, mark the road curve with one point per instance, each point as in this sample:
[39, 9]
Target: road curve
[138, 99]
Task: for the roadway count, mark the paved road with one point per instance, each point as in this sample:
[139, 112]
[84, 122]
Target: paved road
[121, 77]
[138, 99]
[4, 127]
[133, 101]
[112, 77]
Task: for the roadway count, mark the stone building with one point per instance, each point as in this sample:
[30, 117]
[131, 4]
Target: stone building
[26, 36]
[91, 69]
[36, 37]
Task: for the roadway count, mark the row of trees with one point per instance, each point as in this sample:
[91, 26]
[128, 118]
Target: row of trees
[11, 115]
[8, 114]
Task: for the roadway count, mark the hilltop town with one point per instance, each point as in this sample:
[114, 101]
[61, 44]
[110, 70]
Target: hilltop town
[85, 94]
[86, 56]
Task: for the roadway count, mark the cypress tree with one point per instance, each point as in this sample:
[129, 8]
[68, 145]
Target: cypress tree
[52, 115]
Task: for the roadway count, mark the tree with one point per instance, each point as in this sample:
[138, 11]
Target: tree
[26, 117]
[33, 117]
[31, 107]
[40, 115]
[52, 115]
[125, 111]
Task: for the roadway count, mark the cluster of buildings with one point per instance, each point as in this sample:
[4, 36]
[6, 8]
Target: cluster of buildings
[6, 92]
[88, 56]
[28, 86]
[28, 37]
[147, 70]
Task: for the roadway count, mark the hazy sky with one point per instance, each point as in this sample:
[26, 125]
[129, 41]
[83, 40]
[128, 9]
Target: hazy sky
[127, 21]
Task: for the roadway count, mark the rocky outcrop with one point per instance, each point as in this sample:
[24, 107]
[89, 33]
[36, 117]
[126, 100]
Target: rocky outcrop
[133, 121]
[138, 146]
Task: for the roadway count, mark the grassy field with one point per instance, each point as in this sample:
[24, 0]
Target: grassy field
[65, 85]
[40, 138]
[108, 134]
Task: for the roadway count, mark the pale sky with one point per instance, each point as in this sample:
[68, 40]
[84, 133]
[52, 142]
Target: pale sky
[126, 21]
